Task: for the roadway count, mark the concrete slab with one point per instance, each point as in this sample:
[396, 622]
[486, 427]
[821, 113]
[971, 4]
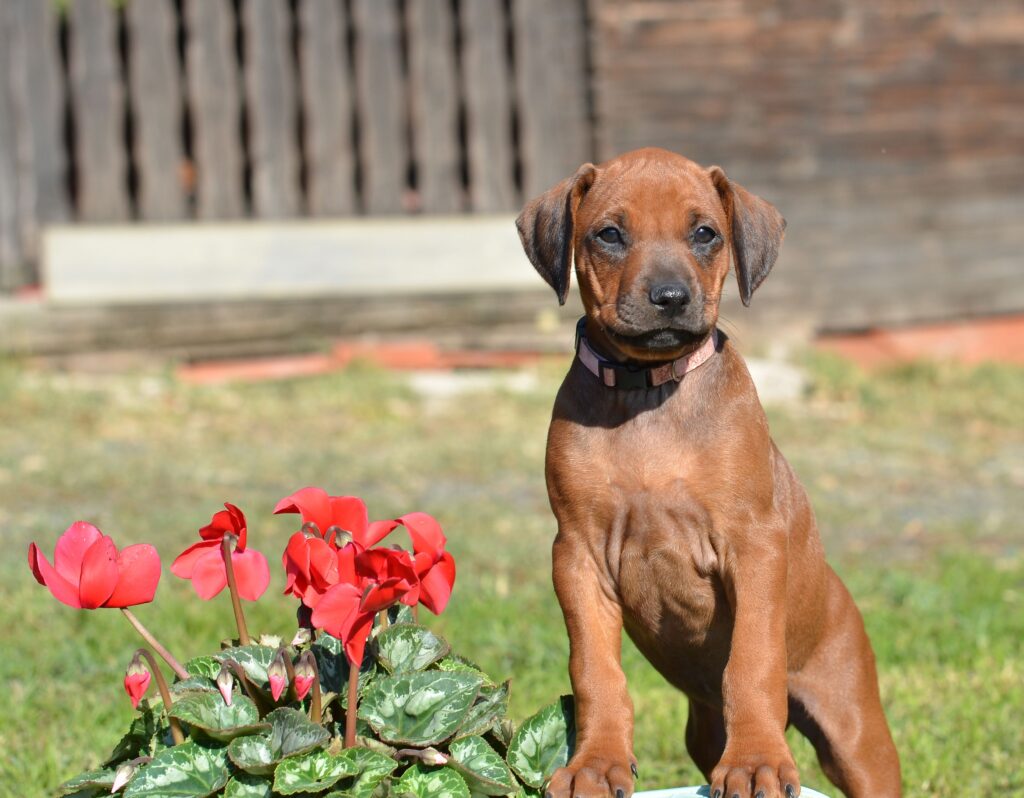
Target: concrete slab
[367, 256]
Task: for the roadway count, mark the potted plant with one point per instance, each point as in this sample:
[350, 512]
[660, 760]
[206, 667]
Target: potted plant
[362, 700]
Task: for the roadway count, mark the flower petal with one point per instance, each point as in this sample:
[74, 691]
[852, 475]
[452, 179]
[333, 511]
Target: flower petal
[425, 532]
[185, 562]
[384, 594]
[208, 576]
[138, 574]
[349, 512]
[64, 591]
[334, 608]
[436, 585]
[355, 636]
[71, 548]
[377, 531]
[252, 574]
[99, 573]
[313, 504]
[323, 563]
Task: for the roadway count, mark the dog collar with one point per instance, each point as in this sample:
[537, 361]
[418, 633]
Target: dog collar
[617, 375]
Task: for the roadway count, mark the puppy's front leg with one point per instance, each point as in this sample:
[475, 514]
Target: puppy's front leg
[603, 761]
[757, 761]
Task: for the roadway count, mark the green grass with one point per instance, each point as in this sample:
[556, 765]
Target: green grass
[917, 476]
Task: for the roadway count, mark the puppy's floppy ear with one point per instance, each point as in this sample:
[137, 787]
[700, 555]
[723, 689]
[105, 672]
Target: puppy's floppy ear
[546, 228]
[757, 232]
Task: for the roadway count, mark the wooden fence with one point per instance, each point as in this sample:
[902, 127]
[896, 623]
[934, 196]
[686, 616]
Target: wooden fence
[168, 110]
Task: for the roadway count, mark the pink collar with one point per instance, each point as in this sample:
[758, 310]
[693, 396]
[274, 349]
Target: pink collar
[617, 375]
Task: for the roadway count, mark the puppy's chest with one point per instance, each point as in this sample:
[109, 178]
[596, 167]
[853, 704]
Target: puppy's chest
[660, 557]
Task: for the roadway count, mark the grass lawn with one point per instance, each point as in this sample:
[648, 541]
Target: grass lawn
[917, 476]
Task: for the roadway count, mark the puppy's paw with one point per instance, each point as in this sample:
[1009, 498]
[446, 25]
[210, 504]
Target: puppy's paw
[771, 774]
[590, 776]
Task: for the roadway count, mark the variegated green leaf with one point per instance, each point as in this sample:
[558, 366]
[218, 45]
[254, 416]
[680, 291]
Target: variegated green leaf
[102, 778]
[245, 785]
[312, 772]
[206, 667]
[459, 664]
[253, 754]
[292, 733]
[207, 711]
[490, 707]
[187, 770]
[254, 660]
[195, 684]
[421, 708]
[331, 663]
[421, 782]
[372, 768]
[406, 648]
[141, 739]
[543, 743]
[481, 766]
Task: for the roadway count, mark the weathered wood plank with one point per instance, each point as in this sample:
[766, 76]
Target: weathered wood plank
[214, 101]
[144, 263]
[270, 87]
[327, 103]
[45, 114]
[155, 92]
[488, 86]
[11, 258]
[434, 105]
[551, 81]
[380, 102]
[98, 99]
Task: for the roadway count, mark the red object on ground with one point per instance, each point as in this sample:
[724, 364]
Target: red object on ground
[999, 339]
[401, 356]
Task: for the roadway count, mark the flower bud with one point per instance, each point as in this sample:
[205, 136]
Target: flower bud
[304, 677]
[225, 683]
[123, 775]
[136, 680]
[431, 756]
[302, 636]
[278, 675]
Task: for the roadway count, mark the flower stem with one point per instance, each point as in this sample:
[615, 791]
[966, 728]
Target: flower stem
[165, 694]
[315, 705]
[236, 603]
[257, 697]
[353, 701]
[165, 655]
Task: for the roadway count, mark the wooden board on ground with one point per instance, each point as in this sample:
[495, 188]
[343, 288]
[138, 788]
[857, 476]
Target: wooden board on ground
[165, 263]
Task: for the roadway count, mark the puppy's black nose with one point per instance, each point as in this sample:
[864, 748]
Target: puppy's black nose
[670, 296]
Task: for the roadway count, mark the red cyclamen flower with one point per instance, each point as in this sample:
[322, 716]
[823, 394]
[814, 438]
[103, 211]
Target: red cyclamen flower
[435, 567]
[136, 681]
[333, 515]
[203, 562]
[89, 572]
[328, 523]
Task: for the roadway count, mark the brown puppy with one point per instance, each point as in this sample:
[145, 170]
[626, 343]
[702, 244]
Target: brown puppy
[678, 518]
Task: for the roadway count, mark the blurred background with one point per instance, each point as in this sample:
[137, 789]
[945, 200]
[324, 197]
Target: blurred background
[250, 245]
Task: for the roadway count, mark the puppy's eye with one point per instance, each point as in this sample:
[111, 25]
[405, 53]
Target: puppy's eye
[610, 235]
[704, 235]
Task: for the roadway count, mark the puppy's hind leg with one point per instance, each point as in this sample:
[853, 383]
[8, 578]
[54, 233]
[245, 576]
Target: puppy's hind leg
[705, 736]
[834, 702]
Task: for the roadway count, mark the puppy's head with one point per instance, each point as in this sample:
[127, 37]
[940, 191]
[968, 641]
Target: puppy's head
[651, 234]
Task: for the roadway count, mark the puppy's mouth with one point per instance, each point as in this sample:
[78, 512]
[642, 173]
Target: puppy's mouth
[667, 340]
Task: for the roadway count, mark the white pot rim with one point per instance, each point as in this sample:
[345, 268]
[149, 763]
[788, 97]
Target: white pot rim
[705, 792]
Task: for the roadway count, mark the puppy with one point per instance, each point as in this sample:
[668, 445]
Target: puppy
[678, 519]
